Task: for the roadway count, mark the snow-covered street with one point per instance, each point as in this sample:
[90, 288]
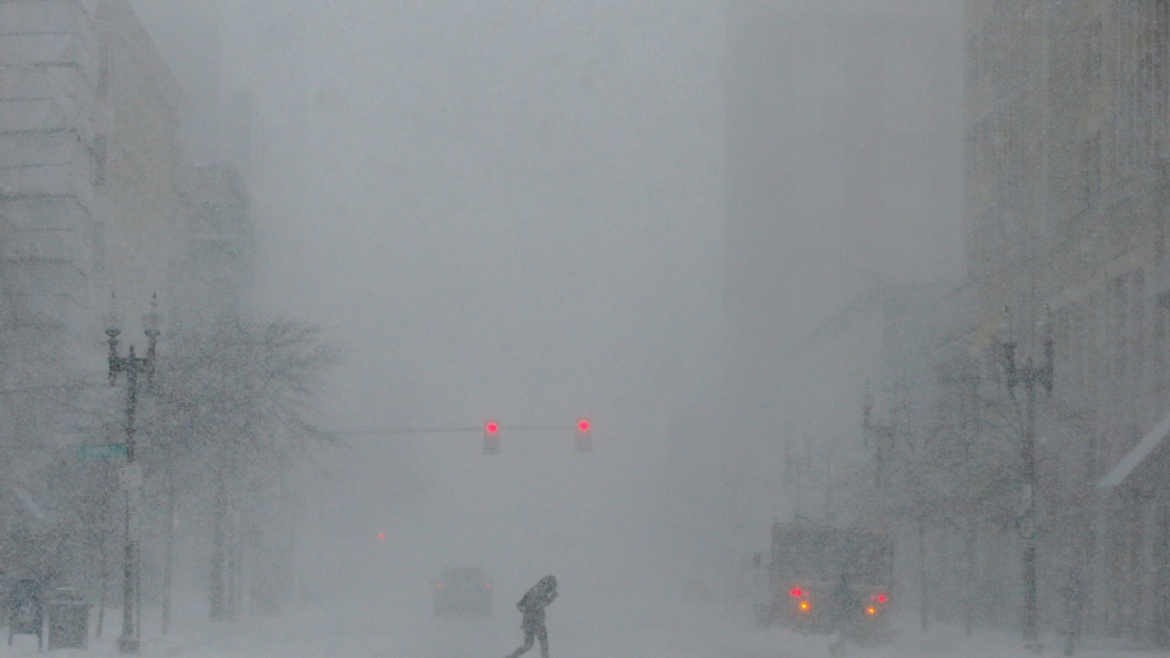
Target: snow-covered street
[375, 601]
[372, 597]
[663, 628]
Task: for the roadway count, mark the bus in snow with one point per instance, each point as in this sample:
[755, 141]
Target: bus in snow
[814, 563]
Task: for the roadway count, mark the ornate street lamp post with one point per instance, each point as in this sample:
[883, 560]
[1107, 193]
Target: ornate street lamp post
[132, 366]
[1030, 376]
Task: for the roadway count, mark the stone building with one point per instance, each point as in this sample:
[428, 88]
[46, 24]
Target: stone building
[95, 200]
[89, 188]
[95, 196]
[1065, 223]
[139, 210]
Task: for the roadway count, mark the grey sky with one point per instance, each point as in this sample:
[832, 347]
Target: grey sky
[506, 208]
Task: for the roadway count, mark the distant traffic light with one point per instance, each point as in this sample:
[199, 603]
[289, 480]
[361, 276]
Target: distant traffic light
[491, 438]
[584, 440]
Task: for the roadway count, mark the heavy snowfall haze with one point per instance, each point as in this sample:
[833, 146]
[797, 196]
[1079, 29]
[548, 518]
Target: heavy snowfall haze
[506, 210]
[865, 301]
[515, 210]
[502, 210]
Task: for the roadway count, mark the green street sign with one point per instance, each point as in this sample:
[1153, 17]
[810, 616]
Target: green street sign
[102, 452]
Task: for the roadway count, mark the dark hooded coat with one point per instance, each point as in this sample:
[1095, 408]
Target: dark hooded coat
[536, 600]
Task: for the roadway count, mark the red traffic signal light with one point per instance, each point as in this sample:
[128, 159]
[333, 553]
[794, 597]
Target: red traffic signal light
[491, 437]
[584, 440]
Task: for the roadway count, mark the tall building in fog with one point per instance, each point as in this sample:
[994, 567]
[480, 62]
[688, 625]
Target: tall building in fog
[1065, 213]
[216, 271]
[89, 200]
[95, 199]
[843, 169]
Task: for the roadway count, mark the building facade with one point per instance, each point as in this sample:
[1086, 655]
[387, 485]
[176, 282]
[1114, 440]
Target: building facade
[1065, 202]
[98, 213]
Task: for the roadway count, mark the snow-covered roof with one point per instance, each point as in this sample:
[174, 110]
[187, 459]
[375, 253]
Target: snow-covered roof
[1137, 455]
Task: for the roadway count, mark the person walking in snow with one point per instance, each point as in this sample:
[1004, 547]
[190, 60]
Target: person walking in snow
[532, 607]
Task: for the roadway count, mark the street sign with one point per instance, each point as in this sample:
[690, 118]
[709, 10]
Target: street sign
[108, 451]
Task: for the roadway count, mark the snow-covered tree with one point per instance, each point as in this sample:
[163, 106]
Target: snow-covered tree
[231, 407]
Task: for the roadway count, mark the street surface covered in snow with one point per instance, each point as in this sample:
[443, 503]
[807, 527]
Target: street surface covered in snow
[371, 597]
[660, 628]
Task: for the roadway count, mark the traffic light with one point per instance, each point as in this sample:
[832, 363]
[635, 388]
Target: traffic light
[584, 441]
[491, 438]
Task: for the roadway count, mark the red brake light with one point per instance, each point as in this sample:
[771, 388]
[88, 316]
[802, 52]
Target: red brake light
[797, 592]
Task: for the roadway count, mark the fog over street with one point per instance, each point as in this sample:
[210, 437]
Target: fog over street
[745, 328]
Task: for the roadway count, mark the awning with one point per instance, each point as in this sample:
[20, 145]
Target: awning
[1137, 455]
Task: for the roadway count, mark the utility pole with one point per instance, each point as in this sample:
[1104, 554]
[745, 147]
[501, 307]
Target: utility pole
[132, 366]
[1030, 376]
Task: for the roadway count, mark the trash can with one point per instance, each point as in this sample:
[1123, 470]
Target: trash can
[68, 621]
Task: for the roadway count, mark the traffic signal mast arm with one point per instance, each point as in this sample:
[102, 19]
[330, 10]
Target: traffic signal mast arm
[448, 430]
[583, 428]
